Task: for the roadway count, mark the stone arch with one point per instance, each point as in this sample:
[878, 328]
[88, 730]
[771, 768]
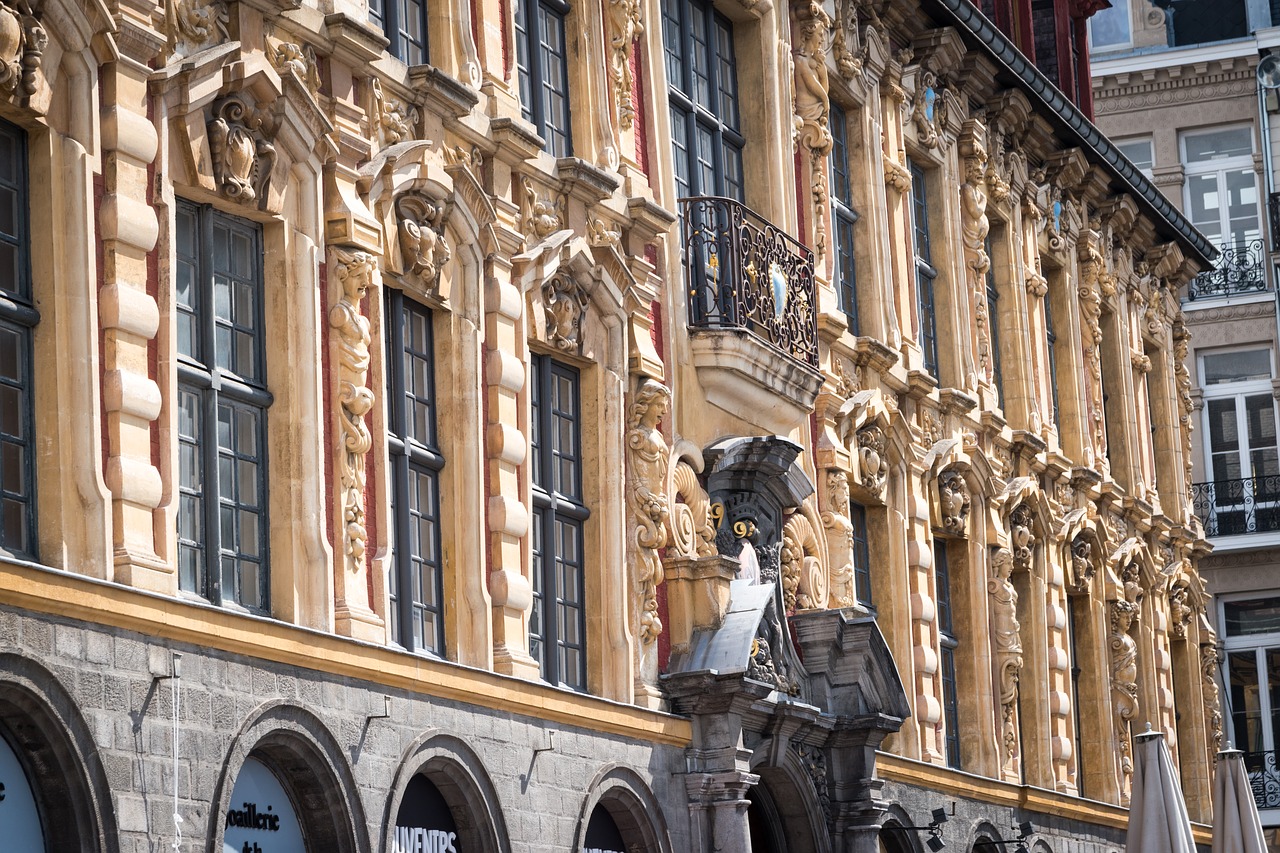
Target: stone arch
[796, 801]
[460, 776]
[42, 722]
[894, 837]
[631, 804]
[985, 839]
[309, 763]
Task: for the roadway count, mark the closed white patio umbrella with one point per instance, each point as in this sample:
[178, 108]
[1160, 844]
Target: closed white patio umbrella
[1236, 825]
[1158, 820]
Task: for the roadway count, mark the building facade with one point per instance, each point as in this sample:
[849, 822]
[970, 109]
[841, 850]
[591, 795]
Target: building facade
[654, 425]
[1189, 78]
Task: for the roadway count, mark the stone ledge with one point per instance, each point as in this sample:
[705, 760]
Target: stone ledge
[747, 378]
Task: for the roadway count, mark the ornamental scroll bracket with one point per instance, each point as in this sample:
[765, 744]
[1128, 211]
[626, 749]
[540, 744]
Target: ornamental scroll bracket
[241, 143]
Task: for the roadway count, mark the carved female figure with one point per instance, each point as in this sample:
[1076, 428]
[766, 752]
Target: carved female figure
[648, 457]
[813, 103]
[1008, 643]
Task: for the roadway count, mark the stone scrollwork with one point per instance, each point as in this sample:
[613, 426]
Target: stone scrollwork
[23, 40]
[625, 26]
[424, 248]
[355, 272]
[240, 142]
[953, 501]
[648, 459]
[1022, 537]
[564, 301]
[873, 461]
[193, 25]
[689, 523]
[848, 44]
[1124, 685]
[1008, 645]
[839, 529]
[804, 581]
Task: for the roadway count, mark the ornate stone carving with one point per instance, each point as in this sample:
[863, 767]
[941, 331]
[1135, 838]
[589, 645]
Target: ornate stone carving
[804, 580]
[393, 120]
[1186, 405]
[839, 529]
[1210, 658]
[1091, 335]
[1022, 537]
[424, 249]
[814, 762]
[354, 272]
[689, 524]
[300, 60]
[539, 218]
[896, 176]
[974, 227]
[603, 235]
[240, 143]
[1082, 564]
[1180, 610]
[625, 26]
[812, 104]
[648, 458]
[931, 427]
[471, 159]
[873, 461]
[22, 42]
[564, 300]
[929, 106]
[761, 667]
[1008, 645]
[953, 502]
[193, 25]
[1124, 685]
[851, 52]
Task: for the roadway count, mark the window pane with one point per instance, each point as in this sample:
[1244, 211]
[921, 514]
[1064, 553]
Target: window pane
[1218, 144]
[1204, 204]
[1256, 616]
[1246, 706]
[1137, 150]
[1236, 366]
[1110, 27]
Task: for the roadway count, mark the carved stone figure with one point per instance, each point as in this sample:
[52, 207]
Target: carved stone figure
[953, 501]
[1180, 610]
[974, 227]
[240, 141]
[839, 529]
[851, 53]
[299, 60]
[625, 26]
[540, 218]
[1210, 658]
[194, 25]
[421, 233]
[647, 461]
[354, 272]
[1082, 566]
[928, 109]
[22, 42]
[1021, 536]
[393, 120]
[813, 104]
[1124, 685]
[873, 462]
[564, 300]
[1007, 643]
[1091, 333]
[602, 235]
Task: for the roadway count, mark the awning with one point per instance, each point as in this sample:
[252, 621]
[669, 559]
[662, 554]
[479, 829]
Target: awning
[1158, 820]
[1236, 825]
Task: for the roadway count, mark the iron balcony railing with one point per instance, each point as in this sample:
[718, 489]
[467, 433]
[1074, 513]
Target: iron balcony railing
[1232, 507]
[1240, 268]
[1273, 217]
[1264, 778]
[745, 273]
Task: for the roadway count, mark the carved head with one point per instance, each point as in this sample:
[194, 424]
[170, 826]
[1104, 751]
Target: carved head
[355, 273]
[953, 501]
[650, 406]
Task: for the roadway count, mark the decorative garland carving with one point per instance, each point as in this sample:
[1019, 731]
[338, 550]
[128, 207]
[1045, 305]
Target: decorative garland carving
[424, 248]
[354, 272]
[1008, 645]
[953, 501]
[625, 25]
[1124, 685]
[240, 142]
[564, 301]
[192, 25]
[648, 459]
[689, 522]
[873, 461]
[23, 40]
[839, 529]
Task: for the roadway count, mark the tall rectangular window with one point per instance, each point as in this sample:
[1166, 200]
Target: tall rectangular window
[404, 22]
[543, 70]
[993, 323]
[843, 217]
[703, 96]
[947, 656]
[1051, 344]
[1073, 626]
[17, 318]
[222, 408]
[416, 583]
[926, 272]
[861, 555]
[557, 626]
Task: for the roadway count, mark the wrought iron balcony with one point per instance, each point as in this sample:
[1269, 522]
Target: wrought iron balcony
[1240, 269]
[1233, 507]
[746, 274]
[1264, 778]
[1273, 219]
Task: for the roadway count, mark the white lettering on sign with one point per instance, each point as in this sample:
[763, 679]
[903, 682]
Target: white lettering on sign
[599, 850]
[415, 839]
[260, 816]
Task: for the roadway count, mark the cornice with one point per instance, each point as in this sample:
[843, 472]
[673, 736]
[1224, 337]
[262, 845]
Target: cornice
[1169, 93]
[1247, 311]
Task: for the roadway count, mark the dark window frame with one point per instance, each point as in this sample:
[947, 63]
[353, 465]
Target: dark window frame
[391, 16]
[536, 63]
[843, 218]
[926, 272]
[412, 456]
[861, 556]
[557, 506]
[1051, 344]
[993, 322]
[18, 319]
[948, 643]
[717, 122]
[215, 388]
